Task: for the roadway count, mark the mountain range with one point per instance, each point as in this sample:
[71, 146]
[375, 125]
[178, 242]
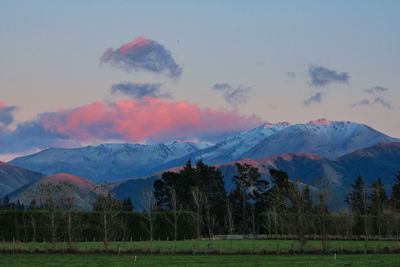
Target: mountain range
[107, 162]
[339, 151]
[114, 162]
[381, 160]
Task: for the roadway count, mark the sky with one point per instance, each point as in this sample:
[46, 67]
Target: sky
[76, 73]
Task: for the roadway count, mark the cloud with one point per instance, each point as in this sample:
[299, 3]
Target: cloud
[321, 76]
[233, 96]
[291, 74]
[6, 114]
[317, 98]
[376, 96]
[376, 90]
[383, 102]
[145, 120]
[138, 90]
[142, 55]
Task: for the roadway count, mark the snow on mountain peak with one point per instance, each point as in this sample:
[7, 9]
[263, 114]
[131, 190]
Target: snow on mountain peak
[278, 125]
[320, 121]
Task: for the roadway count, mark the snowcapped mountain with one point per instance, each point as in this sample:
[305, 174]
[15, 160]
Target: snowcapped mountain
[113, 162]
[107, 162]
[330, 139]
[233, 147]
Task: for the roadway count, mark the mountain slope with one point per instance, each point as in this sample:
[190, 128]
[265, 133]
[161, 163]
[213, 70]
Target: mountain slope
[107, 162]
[12, 178]
[381, 160]
[84, 189]
[322, 137]
[113, 162]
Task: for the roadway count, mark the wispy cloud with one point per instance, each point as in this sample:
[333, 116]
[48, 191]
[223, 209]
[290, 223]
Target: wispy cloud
[291, 74]
[317, 98]
[321, 76]
[376, 90]
[376, 96]
[233, 96]
[139, 90]
[6, 114]
[142, 55]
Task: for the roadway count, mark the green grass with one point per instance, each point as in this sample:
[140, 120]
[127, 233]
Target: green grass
[219, 245]
[21, 260]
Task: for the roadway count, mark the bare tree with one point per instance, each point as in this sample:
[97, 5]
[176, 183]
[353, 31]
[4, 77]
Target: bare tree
[109, 207]
[229, 218]
[176, 209]
[50, 199]
[150, 206]
[69, 200]
[198, 203]
[297, 196]
[324, 195]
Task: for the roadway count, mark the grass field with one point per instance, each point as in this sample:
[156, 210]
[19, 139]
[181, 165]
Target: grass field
[10, 260]
[213, 245]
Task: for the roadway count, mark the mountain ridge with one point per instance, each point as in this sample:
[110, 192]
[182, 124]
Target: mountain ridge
[114, 162]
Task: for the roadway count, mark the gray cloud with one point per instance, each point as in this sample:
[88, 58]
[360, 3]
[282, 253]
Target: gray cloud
[321, 76]
[317, 98]
[376, 97]
[383, 102]
[233, 96]
[291, 74]
[32, 135]
[142, 55]
[6, 114]
[138, 90]
[376, 90]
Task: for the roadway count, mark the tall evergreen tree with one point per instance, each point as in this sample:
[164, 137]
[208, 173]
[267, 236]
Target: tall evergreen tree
[209, 181]
[278, 195]
[395, 197]
[378, 198]
[308, 202]
[127, 204]
[357, 198]
[248, 186]
[6, 203]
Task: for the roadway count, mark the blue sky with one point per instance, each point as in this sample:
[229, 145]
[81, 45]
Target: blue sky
[50, 52]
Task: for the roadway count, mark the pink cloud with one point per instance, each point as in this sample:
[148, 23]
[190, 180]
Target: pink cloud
[136, 44]
[150, 119]
[142, 54]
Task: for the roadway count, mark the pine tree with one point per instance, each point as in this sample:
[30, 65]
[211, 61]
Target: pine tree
[249, 185]
[307, 198]
[357, 197]
[6, 203]
[395, 197]
[127, 204]
[378, 198]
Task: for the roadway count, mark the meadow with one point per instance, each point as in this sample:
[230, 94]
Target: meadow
[209, 247]
[10, 260]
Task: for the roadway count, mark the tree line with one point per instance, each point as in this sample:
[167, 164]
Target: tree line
[194, 201]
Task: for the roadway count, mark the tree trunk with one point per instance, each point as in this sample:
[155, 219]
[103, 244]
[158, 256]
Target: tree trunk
[105, 230]
[69, 228]
[53, 229]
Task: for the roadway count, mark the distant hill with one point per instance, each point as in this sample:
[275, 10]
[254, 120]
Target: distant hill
[84, 188]
[12, 178]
